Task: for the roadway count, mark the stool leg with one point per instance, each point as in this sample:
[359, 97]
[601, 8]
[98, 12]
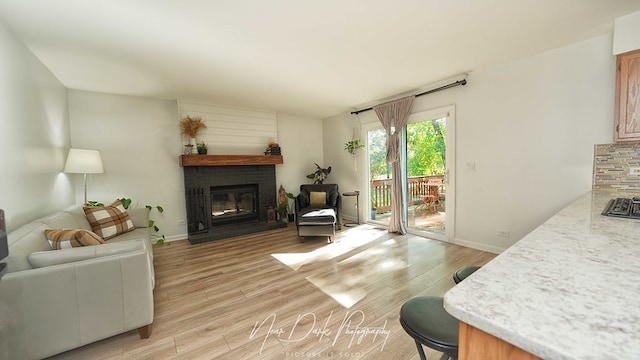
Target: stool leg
[420, 351]
[445, 357]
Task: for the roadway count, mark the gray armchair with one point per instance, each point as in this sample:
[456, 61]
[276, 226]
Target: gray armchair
[310, 220]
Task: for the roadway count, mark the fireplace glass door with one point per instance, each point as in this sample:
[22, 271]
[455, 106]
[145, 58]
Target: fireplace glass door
[234, 203]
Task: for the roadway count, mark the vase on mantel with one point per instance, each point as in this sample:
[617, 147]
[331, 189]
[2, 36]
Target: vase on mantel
[193, 143]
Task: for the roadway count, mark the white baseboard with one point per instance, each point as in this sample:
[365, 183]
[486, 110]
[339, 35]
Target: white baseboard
[175, 237]
[478, 246]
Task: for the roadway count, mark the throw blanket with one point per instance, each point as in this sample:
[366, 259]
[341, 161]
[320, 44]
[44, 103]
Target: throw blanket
[321, 212]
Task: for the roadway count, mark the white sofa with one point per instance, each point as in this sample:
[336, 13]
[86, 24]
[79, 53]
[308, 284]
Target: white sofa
[52, 301]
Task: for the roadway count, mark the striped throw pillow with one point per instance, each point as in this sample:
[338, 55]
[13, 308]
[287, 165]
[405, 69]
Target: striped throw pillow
[63, 239]
[109, 221]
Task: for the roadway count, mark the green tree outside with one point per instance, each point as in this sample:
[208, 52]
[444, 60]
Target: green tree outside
[425, 150]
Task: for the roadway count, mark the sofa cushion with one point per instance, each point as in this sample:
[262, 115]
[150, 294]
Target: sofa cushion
[23, 241]
[71, 218]
[318, 198]
[139, 217]
[61, 239]
[40, 259]
[109, 221]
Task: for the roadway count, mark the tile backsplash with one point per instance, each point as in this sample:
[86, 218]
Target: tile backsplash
[611, 164]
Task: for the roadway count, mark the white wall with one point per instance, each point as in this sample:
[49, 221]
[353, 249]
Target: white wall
[339, 129]
[626, 33]
[34, 136]
[530, 127]
[140, 144]
[301, 140]
[232, 130]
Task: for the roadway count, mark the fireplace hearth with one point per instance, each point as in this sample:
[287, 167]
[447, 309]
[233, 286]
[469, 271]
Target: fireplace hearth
[229, 200]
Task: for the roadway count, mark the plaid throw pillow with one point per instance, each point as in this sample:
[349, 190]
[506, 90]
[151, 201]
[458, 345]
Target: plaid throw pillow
[109, 221]
[63, 239]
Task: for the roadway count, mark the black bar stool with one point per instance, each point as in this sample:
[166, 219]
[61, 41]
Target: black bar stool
[428, 323]
[462, 273]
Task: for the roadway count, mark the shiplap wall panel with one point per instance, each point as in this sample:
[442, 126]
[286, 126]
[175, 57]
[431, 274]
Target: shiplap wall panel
[233, 130]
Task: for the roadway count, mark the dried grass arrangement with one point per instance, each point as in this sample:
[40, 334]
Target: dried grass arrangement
[191, 126]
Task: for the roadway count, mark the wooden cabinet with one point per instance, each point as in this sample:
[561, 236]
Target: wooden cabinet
[475, 344]
[627, 107]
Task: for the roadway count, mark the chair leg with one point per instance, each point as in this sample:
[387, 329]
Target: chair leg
[420, 351]
[301, 238]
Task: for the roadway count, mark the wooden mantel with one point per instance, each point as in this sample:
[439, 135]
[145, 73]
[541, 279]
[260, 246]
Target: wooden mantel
[226, 160]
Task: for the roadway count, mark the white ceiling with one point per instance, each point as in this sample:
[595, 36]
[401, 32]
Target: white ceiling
[315, 58]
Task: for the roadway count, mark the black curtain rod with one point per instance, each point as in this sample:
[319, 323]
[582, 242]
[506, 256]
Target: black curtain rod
[444, 87]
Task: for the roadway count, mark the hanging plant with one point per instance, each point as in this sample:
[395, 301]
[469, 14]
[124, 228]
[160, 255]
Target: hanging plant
[353, 146]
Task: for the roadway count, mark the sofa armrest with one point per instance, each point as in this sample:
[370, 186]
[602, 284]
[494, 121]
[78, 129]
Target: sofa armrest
[40, 259]
[61, 307]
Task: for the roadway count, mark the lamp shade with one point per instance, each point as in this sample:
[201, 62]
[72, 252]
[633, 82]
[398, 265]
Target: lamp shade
[81, 161]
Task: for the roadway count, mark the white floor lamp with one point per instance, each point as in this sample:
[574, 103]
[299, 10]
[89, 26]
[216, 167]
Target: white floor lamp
[81, 161]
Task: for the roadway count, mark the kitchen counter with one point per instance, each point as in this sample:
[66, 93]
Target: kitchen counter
[568, 290]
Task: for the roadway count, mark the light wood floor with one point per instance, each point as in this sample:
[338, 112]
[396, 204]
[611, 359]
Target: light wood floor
[268, 296]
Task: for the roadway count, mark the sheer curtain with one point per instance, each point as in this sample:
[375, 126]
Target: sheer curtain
[393, 115]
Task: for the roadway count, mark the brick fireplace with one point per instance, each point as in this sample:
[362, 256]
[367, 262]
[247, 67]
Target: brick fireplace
[229, 195]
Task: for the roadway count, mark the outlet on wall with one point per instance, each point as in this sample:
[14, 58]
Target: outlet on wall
[634, 171]
[471, 166]
[503, 233]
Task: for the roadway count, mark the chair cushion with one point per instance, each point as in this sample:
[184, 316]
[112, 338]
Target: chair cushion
[303, 198]
[318, 198]
[332, 197]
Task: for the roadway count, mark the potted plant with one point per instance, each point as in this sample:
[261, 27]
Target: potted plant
[374, 210]
[202, 148]
[291, 214]
[319, 175]
[191, 127]
[285, 208]
[352, 146]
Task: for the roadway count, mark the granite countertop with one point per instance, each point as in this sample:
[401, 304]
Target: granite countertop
[568, 290]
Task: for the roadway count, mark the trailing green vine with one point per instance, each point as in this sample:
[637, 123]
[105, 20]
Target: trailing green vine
[160, 239]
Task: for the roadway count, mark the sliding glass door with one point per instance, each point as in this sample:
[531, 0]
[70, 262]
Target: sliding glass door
[379, 176]
[428, 160]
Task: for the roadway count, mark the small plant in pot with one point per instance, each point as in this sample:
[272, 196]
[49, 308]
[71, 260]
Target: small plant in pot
[202, 148]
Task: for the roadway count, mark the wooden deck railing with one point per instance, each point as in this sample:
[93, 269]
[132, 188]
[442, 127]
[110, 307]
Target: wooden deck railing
[417, 189]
